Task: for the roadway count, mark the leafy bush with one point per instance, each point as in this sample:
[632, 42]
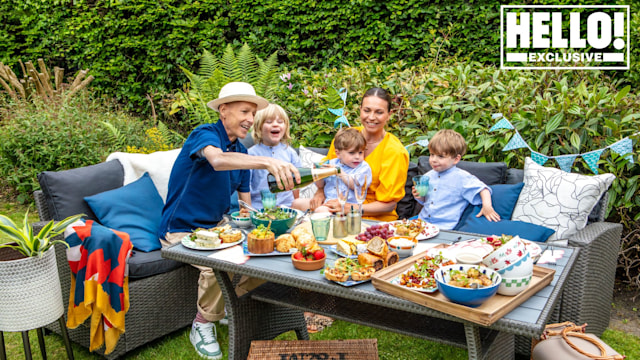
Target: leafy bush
[136, 47]
[41, 135]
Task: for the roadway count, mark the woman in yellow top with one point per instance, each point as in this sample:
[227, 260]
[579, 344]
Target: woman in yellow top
[385, 154]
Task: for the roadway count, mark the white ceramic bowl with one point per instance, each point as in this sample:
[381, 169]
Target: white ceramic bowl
[514, 286]
[469, 258]
[240, 221]
[521, 267]
[505, 255]
[402, 250]
[466, 296]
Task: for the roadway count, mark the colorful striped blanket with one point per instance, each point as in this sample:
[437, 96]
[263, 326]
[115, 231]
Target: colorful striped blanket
[99, 281]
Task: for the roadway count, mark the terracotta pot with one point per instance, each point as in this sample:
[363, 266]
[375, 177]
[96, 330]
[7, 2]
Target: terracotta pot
[30, 294]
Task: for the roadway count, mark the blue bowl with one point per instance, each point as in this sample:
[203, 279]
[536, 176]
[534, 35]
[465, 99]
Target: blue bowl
[466, 296]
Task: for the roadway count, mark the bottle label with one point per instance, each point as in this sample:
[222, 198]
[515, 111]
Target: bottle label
[319, 174]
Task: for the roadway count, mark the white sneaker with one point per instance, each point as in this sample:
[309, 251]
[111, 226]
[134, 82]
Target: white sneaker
[203, 338]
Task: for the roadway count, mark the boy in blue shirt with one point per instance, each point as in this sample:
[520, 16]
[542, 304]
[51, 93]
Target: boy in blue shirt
[451, 189]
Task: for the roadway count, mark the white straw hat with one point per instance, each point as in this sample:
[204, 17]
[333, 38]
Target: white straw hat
[238, 91]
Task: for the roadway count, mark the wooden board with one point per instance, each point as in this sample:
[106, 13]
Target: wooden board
[486, 314]
[330, 239]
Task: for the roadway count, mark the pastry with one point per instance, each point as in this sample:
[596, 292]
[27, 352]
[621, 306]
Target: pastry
[362, 273]
[378, 246]
[391, 258]
[343, 247]
[346, 264]
[306, 241]
[260, 240]
[335, 274]
[285, 242]
[374, 261]
[301, 230]
[231, 235]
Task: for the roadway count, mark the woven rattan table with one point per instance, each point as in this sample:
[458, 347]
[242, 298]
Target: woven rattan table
[278, 305]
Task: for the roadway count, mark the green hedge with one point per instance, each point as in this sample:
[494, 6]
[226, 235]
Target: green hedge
[134, 47]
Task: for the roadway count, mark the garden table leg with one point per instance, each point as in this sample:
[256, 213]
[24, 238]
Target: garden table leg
[26, 345]
[3, 352]
[474, 344]
[43, 350]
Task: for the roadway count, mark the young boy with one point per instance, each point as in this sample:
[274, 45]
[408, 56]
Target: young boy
[349, 144]
[451, 189]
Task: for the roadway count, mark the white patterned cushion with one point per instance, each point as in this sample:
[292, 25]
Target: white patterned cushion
[558, 200]
[308, 158]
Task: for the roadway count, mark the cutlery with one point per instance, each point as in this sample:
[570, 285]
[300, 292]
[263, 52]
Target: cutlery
[251, 208]
[301, 218]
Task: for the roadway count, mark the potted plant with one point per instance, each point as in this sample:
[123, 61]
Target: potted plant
[29, 275]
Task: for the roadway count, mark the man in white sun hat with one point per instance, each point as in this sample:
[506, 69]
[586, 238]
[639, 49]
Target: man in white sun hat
[211, 166]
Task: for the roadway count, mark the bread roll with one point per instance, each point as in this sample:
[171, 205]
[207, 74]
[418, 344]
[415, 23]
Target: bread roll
[306, 241]
[371, 260]
[285, 242]
[378, 246]
[301, 230]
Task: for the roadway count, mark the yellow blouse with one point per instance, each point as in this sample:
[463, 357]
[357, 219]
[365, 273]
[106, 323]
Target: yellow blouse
[389, 164]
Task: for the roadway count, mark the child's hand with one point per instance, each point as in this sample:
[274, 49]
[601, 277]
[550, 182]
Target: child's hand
[489, 213]
[414, 192]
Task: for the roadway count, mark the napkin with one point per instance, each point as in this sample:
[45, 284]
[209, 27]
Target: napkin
[550, 256]
[233, 254]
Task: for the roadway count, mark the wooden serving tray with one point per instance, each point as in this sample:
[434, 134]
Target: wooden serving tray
[486, 314]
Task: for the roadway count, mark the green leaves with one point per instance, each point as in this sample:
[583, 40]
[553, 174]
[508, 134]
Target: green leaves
[26, 242]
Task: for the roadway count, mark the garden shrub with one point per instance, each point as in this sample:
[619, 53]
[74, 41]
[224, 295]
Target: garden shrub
[136, 47]
[43, 135]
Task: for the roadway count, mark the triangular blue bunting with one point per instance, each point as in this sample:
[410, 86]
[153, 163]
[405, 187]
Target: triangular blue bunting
[622, 147]
[516, 142]
[496, 116]
[337, 112]
[342, 120]
[502, 124]
[539, 158]
[591, 158]
[343, 94]
[566, 162]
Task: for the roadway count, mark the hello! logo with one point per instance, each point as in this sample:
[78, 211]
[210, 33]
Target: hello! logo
[564, 37]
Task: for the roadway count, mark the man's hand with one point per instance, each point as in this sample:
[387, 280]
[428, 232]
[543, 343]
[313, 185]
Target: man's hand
[284, 172]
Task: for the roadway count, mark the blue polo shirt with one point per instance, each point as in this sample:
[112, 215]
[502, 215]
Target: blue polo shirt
[198, 195]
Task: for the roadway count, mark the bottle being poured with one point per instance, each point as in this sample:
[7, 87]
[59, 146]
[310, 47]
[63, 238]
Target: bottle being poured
[307, 176]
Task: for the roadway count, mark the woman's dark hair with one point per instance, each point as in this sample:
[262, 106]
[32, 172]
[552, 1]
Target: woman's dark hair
[379, 93]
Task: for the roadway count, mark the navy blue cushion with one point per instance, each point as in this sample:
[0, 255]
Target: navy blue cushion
[523, 229]
[503, 199]
[135, 208]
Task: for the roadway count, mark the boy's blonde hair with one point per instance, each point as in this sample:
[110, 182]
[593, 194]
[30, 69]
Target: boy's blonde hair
[349, 138]
[447, 142]
[272, 111]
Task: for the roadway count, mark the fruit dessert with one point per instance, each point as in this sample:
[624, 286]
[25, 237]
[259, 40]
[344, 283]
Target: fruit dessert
[260, 240]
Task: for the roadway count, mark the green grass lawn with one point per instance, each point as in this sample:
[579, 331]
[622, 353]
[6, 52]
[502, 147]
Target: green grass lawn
[177, 345]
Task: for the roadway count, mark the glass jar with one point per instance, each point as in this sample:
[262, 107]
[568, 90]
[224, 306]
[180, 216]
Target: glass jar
[354, 221]
[339, 226]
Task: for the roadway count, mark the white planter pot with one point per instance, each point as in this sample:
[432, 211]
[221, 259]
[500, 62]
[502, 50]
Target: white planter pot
[30, 295]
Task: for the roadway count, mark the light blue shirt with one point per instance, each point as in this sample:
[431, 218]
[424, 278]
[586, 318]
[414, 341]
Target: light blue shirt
[282, 152]
[449, 194]
[357, 172]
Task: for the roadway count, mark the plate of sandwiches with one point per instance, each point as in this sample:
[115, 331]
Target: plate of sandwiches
[217, 238]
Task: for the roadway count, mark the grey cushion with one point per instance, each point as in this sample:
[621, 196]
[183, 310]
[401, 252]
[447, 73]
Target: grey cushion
[65, 190]
[514, 176]
[405, 207]
[489, 173]
[144, 264]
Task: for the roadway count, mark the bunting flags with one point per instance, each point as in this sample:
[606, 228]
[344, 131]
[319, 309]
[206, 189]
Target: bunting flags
[622, 147]
[566, 162]
[341, 120]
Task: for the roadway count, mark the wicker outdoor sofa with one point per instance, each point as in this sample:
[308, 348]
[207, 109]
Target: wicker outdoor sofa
[164, 298]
